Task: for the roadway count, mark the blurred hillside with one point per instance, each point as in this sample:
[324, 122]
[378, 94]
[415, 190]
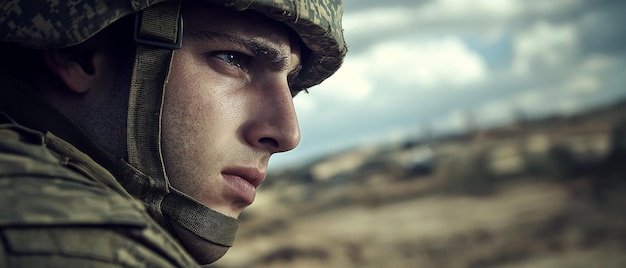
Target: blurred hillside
[548, 192]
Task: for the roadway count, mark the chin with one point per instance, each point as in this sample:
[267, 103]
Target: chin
[204, 251]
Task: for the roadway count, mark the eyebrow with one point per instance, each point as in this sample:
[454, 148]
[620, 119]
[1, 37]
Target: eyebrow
[266, 52]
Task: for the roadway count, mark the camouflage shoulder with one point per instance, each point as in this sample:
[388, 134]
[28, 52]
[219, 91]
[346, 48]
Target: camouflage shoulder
[46, 221]
[23, 151]
[53, 222]
[35, 188]
[52, 216]
[86, 246]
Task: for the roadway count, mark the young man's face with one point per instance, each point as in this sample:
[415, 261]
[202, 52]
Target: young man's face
[228, 106]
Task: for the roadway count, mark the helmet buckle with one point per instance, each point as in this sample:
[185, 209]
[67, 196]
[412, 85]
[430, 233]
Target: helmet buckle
[174, 45]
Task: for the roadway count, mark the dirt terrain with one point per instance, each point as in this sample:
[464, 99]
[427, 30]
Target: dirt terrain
[542, 193]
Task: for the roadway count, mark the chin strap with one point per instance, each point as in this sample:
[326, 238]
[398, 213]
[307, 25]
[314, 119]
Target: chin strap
[200, 220]
[158, 31]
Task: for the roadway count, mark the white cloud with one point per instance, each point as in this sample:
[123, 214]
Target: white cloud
[375, 20]
[487, 19]
[496, 112]
[545, 101]
[582, 84]
[532, 100]
[350, 83]
[569, 105]
[425, 63]
[392, 71]
[442, 14]
[406, 62]
[463, 9]
[544, 46]
[564, 97]
[586, 77]
[548, 7]
[568, 93]
[455, 121]
[304, 103]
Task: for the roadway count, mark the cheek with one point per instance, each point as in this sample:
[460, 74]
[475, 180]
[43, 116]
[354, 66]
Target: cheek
[184, 145]
[186, 91]
[196, 115]
[180, 107]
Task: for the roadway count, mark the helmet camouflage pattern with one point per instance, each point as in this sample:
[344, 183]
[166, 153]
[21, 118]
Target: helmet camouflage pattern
[51, 23]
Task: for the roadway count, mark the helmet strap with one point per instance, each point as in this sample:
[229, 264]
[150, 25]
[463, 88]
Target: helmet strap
[199, 219]
[159, 23]
[158, 31]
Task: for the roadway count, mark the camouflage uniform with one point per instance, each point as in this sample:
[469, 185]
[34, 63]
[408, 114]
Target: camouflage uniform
[64, 201]
[59, 208]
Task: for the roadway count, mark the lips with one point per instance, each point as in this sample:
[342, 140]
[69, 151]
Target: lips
[243, 182]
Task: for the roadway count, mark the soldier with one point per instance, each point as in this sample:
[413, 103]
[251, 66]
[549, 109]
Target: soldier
[133, 133]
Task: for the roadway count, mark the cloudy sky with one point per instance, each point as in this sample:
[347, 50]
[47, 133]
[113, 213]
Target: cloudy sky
[427, 64]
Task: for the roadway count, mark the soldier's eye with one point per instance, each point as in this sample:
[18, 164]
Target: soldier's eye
[236, 59]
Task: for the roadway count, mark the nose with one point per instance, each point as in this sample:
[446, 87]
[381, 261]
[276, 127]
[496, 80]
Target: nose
[274, 126]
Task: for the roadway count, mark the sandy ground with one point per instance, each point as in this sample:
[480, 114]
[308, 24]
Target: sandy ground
[522, 224]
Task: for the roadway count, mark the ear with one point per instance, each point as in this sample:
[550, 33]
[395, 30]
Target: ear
[76, 72]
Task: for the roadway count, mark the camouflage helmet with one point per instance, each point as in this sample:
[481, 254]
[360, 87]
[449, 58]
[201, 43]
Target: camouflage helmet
[40, 24]
[51, 24]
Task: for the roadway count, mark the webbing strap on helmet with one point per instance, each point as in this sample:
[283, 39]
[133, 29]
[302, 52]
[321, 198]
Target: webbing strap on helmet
[202, 221]
[158, 32]
[150, 71]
